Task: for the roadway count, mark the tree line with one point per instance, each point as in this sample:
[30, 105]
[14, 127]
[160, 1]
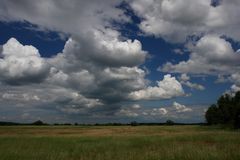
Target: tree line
[226, 111]
[133, 123]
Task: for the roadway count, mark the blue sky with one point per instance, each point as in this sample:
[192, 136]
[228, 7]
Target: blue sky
[118, 61]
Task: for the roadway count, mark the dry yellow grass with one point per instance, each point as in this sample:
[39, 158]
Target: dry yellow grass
[79, 131]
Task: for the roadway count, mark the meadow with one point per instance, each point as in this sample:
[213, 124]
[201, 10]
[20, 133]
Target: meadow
[118, 143]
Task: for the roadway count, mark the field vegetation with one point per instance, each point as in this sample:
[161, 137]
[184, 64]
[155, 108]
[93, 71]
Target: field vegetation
[118, 143]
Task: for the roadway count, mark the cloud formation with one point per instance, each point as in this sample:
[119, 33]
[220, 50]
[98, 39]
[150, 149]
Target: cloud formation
[181, 108]
[75, 17]
[186, 21]
[211, 55]
[175, 111]
[168, 88]
[21, 64]
[184, 79]
[100, 70]
[176, 20]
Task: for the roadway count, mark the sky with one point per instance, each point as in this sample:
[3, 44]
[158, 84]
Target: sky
[116, 61]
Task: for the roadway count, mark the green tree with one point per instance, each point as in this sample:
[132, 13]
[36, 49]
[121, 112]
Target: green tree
[212, 115]
[134, 123]
[169, 122]
[226, 111]
[236, 102]
[38, 123]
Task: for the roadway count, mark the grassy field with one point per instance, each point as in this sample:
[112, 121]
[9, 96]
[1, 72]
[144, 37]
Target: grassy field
[118, 143]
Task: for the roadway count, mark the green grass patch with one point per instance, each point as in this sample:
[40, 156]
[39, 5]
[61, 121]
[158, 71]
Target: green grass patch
[119, 143]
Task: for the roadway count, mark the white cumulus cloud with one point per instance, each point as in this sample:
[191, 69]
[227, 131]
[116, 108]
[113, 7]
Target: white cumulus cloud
[181, 108]
[175, 20]
[211, 55]
[168, 88]
[21, 63]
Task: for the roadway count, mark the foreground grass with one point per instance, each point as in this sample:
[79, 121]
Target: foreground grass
[119, 143]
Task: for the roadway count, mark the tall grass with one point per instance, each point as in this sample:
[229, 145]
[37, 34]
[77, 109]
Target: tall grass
[133, 143]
